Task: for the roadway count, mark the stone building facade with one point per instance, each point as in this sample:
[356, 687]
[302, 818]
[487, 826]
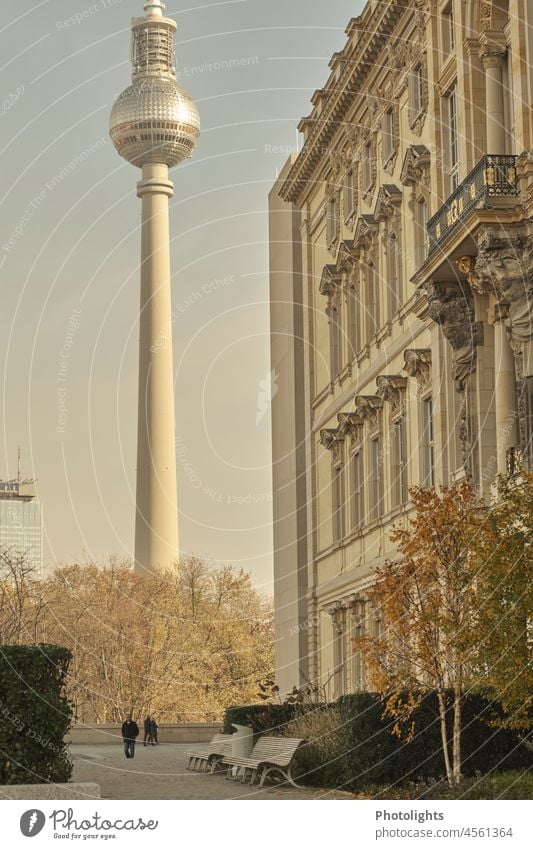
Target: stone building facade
[401, 241]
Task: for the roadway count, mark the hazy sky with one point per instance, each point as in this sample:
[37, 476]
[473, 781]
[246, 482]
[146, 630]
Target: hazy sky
[69, 251]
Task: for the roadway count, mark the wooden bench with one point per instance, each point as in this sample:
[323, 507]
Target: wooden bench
[269, 755]
[208, 759]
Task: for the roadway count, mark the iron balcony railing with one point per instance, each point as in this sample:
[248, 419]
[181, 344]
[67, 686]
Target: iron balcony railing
[493, 176]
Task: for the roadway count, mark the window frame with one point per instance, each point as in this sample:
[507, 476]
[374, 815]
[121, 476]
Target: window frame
[453, 138]
[357, 490]
[427, 441]
[375, 468]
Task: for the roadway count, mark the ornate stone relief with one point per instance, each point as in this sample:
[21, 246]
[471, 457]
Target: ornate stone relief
[366, 230]
[368, 408]
[329, 287]
[350, 424]
[388, 201]
[485, 14]
[347, 257]
[452, 307]
[332, 440]
[504, 266]
[398, 55]
[354, 603]
[391, 388]
[417, 363]
[415, 168]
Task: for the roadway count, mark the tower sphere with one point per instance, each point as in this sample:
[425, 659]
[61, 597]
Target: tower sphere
[154, 120]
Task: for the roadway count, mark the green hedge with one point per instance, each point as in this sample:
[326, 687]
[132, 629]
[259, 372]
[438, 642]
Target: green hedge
[375, 755]
[351, 744]
[34, 714]
[264, 719]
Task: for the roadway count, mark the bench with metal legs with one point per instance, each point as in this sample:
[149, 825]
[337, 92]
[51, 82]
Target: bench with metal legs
[269, 755]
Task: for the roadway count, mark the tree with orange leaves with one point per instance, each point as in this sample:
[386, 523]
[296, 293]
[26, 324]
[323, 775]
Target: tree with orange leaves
[428, 607]
[502, 633]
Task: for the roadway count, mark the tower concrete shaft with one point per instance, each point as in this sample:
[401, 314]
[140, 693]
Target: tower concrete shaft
[156, 523]
[154, 125]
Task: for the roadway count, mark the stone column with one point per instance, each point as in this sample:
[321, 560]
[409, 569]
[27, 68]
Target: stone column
[156, 524]
[493, 50]
[506, 403]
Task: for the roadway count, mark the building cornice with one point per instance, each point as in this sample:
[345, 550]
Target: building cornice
[338, 96]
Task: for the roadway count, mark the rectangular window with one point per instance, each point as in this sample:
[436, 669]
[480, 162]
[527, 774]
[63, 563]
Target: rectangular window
[335, 338]
[338, 502]
[387, 135]
[453, 139]
[352, 308]
[448, 32]
[421, 233]
[427, 441]
[394, 276]
[367, 167]
[398, 463]
[357, 490]
[358, 669]
[339, 650]
[372, 301]
[331, 221]
[375, 480]
[349, 194]
[510, 142]
[416, 86]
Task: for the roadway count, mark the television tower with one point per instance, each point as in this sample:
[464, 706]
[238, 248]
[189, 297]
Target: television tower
[155, 125]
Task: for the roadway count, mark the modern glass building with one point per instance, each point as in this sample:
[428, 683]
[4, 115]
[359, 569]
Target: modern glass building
[21, 530]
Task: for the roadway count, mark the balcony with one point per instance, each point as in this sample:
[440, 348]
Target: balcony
[492, 177]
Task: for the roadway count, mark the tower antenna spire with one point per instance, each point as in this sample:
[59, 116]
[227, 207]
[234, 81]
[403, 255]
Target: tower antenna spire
[18, 466]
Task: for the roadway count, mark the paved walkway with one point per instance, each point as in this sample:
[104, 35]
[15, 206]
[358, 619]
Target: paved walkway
[158, 772]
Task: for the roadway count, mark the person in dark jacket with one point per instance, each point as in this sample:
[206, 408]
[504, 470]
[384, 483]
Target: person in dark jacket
[153, 731]
[148, 737]
[130, 732]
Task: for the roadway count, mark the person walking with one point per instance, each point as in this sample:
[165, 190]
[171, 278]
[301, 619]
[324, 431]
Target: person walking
[130, 732]
[148, 737]
[153, 731]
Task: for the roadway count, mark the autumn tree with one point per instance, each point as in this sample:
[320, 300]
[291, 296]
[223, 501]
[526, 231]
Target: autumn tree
[20, 603]
[427, 607]
[182, 644]
[502, 633]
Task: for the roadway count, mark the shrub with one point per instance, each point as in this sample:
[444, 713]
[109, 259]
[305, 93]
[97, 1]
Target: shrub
[264, 719]
[351, 744]
[514, 784]
[34, 714]
[320, 760]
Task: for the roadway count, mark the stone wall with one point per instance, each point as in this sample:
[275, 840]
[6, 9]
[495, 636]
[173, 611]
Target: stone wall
[179, 732]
